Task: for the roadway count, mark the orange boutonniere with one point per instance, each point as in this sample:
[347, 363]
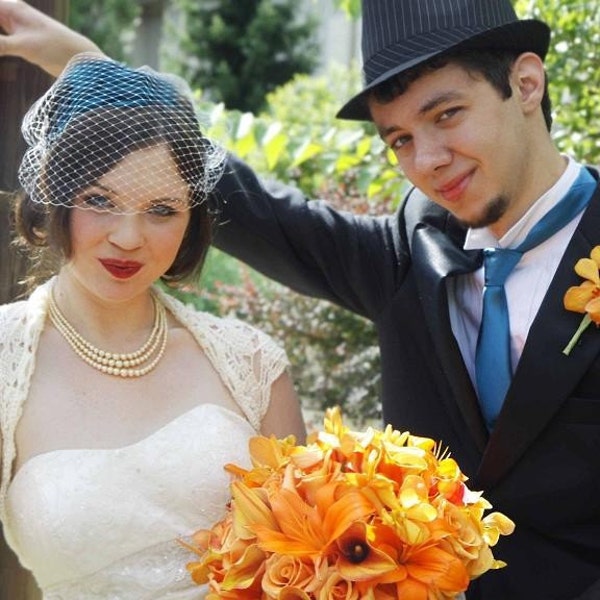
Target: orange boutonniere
[585, 298]
[377, 514]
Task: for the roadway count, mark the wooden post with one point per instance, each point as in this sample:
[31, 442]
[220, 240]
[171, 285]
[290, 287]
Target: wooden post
[20, 85]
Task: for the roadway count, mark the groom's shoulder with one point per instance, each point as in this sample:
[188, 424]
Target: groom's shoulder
[418, 209]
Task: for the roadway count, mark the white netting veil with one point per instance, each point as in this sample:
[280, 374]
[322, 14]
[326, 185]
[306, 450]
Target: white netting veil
[93, 118]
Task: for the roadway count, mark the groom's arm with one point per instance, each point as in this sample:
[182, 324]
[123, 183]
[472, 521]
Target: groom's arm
[39, 39]
[353, 260]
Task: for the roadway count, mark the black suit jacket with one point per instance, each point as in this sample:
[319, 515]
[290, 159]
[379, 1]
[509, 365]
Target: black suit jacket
[541, 465]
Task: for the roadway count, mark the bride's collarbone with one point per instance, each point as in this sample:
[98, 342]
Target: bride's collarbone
[72, 405]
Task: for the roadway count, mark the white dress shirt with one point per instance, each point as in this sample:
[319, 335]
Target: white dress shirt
[527, 284]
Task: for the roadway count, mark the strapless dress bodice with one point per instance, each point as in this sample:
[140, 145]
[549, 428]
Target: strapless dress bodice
[106, 523]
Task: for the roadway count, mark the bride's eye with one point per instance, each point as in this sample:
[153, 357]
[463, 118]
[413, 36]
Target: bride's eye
[96, 201]
[162, 210]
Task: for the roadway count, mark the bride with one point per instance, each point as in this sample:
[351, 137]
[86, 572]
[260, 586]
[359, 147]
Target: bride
[119, 405]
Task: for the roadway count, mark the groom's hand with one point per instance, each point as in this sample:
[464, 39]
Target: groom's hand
[39, 39]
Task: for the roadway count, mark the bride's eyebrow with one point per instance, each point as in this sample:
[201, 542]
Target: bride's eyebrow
[97, 185]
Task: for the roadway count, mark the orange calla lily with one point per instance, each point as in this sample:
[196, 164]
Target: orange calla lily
[359, 558]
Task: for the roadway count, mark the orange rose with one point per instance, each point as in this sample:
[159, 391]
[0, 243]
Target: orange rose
[282, 571]
[336, 588]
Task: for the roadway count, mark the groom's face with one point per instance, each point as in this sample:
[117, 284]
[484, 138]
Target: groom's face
[461, 143]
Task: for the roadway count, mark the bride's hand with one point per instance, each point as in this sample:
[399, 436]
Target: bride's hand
[34, 36]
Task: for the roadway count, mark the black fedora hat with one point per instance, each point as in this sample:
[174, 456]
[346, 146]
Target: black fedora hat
[400, 34]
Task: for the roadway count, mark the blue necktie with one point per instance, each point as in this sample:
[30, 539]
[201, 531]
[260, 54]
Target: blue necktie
[492, 357]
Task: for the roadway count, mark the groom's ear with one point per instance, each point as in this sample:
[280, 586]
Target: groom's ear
[528, 80]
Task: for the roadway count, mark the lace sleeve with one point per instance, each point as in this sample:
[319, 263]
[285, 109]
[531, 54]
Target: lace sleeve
[248, 360]
[20, 326]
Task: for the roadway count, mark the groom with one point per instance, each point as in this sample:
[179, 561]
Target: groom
[457, 89]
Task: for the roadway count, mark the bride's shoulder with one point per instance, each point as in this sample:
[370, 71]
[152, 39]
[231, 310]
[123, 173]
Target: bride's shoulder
[13, 317]
[28, 311]
[13, 310]
[223, 330]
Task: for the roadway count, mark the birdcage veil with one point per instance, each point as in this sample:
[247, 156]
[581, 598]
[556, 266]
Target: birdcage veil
[98, 112]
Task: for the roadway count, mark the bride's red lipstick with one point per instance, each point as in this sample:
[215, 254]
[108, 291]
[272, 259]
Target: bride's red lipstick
[121, 269]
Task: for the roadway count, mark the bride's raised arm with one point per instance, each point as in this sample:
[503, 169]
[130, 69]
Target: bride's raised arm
[38, 38]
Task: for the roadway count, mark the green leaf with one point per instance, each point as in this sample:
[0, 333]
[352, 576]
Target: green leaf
[274, 149]
[306, 151]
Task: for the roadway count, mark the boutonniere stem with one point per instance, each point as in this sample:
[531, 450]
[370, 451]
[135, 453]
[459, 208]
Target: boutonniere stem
[585, 322]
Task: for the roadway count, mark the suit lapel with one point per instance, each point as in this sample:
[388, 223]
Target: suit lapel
[545, 377]
[438, 254]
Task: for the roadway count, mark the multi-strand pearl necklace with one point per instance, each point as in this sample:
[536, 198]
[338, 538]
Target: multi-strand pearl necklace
[131, 364]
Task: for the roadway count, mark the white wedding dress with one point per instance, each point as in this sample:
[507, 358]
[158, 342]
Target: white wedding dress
[99, 523]
[107, 523]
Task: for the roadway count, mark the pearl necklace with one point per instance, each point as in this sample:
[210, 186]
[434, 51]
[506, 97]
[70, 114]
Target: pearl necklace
[120, 365]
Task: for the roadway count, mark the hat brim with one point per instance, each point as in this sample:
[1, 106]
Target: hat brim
[528, 35]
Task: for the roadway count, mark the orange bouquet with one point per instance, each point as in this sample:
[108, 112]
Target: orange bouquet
[374, 515]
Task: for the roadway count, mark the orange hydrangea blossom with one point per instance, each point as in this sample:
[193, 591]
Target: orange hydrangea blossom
[585, 298]
[375, 515]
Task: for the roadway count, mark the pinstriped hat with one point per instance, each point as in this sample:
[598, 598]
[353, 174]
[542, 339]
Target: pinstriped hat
[400, 34]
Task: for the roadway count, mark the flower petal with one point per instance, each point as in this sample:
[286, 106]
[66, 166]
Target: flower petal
[588, 269]
[251, 508]
[578, 296]
[593, 309]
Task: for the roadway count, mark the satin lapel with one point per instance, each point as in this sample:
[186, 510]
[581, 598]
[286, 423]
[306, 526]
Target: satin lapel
[435, 257]
[545, 377]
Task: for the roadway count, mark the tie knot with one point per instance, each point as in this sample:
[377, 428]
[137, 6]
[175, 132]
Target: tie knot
[498, 263]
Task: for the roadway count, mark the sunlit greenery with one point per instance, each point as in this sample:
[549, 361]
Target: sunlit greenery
[111, 24]
[238, 51]
[574, 71]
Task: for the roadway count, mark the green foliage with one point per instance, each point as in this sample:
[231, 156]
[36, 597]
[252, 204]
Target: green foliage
[350, 7]
[298, 140]
[574, 72]
[110, 24]
[239, 51]
[333, 353]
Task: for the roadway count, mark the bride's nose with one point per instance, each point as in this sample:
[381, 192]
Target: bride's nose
[127, 232]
